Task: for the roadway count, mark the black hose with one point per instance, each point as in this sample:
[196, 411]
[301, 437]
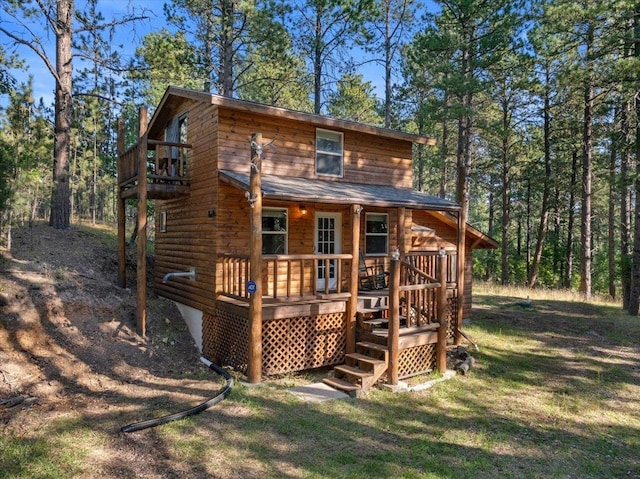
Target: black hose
[224, 392]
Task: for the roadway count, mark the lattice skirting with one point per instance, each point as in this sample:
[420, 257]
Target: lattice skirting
[452, 308]
[296, 344]
[416, 360]
[289, 344]
[225, 339]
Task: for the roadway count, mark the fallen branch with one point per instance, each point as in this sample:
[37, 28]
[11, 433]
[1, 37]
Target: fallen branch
[11, 402]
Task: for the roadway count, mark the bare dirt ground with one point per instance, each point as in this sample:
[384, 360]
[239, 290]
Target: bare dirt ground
[68, 344]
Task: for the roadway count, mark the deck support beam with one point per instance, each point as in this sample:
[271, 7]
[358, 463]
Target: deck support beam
[443, 317]
[141, 322]
[254, 361]
[121, 213]
[393, 340]
[352, 304]
[460, 268]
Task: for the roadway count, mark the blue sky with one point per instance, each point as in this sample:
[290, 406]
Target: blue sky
[128, 37]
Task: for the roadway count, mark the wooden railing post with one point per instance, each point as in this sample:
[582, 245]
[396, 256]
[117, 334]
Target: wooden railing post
[352, 305]
[443, 317]
[254, 363]
[122, 240]
[394, 324]
[142, 225]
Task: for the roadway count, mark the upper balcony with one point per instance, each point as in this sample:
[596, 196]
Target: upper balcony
[166, 167]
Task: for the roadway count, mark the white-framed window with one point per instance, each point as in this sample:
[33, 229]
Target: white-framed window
[376, 234]
[329, 153]
[162, 220]
[274, 231]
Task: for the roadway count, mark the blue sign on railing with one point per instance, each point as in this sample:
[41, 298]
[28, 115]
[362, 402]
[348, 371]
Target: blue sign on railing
[251, 287]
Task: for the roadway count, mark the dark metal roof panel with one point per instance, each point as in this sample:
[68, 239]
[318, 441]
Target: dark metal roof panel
[338, 192]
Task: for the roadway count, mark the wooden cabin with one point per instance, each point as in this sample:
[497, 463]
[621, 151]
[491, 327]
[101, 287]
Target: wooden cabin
[292, 241]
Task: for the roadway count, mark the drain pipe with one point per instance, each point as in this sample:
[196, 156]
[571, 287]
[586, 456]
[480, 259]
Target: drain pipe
[224, 392]
[191, 274]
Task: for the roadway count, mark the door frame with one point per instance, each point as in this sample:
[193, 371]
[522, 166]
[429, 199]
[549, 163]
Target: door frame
[337, 242]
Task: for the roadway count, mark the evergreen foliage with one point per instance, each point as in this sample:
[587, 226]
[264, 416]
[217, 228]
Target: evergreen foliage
[533, 105]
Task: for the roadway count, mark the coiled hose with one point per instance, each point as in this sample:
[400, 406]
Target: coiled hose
[224, 392]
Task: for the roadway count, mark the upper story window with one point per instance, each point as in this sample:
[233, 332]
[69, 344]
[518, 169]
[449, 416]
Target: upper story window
[274, 231]
[376, 233]
[329, 153]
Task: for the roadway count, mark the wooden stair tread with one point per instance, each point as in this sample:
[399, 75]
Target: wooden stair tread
[365, 359]
[370, 345]
[353, 371]
[340, 384]
[378, 309]
[376, 321]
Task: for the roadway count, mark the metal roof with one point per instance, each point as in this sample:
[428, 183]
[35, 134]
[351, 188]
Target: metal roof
[338, 192]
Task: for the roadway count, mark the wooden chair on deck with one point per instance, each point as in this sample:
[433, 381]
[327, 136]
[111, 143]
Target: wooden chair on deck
[372, 277]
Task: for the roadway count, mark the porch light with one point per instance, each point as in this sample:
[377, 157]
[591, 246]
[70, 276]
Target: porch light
[395, 254]
[442, 253]
[303, 210]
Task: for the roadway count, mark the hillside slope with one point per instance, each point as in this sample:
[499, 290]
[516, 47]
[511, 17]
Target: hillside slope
[68, 340]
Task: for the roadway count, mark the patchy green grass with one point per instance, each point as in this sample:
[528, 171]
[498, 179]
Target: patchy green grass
[554, 394]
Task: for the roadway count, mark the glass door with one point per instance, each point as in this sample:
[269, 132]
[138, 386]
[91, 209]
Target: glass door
[328, 240]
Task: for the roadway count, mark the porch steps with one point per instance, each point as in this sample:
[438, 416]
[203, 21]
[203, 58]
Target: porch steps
[361, 370]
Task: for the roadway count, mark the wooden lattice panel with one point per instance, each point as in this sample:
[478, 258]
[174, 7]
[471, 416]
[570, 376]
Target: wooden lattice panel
[225, 339]
[307, 342]
[452, 308]
[416, 360]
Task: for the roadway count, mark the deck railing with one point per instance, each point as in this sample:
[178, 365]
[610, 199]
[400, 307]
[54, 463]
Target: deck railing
[421, 298]
[428, 261]
[167, 162]
[418, 294]
[288, 278]
[419, 282]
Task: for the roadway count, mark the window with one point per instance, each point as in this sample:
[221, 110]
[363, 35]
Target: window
[329, 153]
[274, 231]
[376, 233]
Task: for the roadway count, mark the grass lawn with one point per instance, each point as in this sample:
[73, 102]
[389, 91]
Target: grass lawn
[554, 393]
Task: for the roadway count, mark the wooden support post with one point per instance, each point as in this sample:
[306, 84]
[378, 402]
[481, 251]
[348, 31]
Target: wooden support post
[254, 364]
[352, 304]
[460, 266]
[121, 213]
[141, 257]
[443, 317]
[393, 340]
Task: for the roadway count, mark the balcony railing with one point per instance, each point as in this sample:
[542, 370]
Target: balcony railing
[166, 162]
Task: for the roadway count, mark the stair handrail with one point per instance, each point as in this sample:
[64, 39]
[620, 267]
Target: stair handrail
[396, 286]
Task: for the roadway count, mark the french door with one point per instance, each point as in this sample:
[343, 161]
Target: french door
[328, 240]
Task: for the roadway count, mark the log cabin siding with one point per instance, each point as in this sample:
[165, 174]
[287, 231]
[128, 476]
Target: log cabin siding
[290, 150]
[190, 239]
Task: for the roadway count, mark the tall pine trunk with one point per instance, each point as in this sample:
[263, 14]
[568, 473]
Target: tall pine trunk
[634, 297]
[227, 48]
[611, 233]
[546, 193]
[587, 165]
[568, 272]
[60, 192]
[625, 207]
[506, 221]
